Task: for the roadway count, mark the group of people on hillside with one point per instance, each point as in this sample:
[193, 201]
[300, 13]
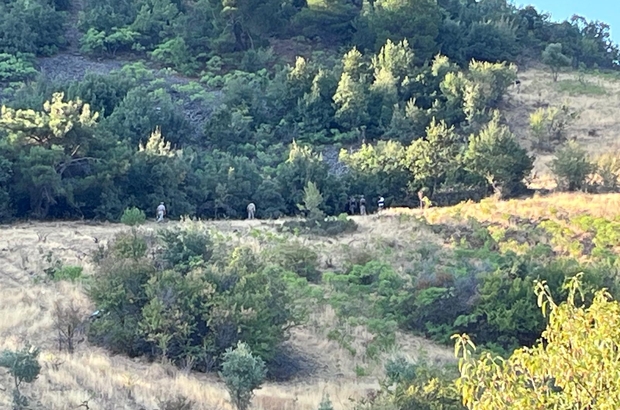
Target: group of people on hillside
[353, 204]
[352, 207]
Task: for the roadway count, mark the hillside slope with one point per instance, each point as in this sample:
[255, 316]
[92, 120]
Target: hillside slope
[595, 98]
[115, 382]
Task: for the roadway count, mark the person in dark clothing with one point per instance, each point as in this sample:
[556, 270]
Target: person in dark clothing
[352, 205]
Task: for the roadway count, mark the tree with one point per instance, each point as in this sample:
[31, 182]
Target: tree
[553, 57]
[326, 403]
[351, 102]
[243, 373]
[433, 158]
[312, 202]
[573, 366]
[24, 367]
[496, 155]
[5, 198]
[572, 167]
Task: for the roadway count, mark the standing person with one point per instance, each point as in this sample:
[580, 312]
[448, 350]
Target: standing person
[381, 203]
[161, 211]
[251, 209]
[421, 197]
[352, 205]
[362, 205]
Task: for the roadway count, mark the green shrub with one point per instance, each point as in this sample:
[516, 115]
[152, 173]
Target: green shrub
[571, 167]
[400, 370]
[150, 310]
[16, 67]
[296, 257]
[119, 290]
[242, 373]
[419, 385]
[24, 367]
[183, 247]
[326, 403]
[129, 245]
[70, 273]
[133, 216]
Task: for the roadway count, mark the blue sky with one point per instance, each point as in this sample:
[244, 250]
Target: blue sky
[603, 10]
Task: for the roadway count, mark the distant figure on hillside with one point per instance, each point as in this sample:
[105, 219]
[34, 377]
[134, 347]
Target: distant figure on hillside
[161, 211]
[251, 210]
[425, 201]
[518, 85]
[381, 203]
[352, 205]
[362, 205]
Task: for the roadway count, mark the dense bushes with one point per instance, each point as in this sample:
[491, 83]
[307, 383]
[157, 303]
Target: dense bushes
[421, 107]
[186, 303]
[188, 36]
[35, 27]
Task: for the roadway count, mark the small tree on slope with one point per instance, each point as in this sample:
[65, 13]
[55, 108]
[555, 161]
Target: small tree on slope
[243, 373]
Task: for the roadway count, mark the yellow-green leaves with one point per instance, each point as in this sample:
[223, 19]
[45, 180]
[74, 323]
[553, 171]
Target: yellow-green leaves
[574, 366]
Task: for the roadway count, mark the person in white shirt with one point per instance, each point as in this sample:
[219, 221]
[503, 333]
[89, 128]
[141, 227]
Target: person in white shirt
[251, 210]
[161, 211]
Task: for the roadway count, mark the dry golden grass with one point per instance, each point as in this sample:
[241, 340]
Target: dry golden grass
[559, 205]
[596, 129]
[116, 382]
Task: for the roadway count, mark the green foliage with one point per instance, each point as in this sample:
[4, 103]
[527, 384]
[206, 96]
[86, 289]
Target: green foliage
[31, 27]
[133, 216]
[433, 158]
[185, 247]
[16, 67]
[296, 257]
[129, 245]
[553, 57]
[495, 155]
[418, 385]
[548, 125]
[188, 305]
[67, 272]
[24, 367]
[242, 373]
[370, 295]
[326, 403]
[312, 202]
[571, 167]
[119, 291]
[575, 88]
[546, 372]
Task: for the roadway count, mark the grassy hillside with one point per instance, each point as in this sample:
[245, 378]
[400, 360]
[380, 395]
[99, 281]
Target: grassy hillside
[409, 240]
[593, 96]
[115, 382]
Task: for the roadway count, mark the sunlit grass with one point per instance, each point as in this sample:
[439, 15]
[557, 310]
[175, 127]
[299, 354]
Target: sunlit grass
[576, 87]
